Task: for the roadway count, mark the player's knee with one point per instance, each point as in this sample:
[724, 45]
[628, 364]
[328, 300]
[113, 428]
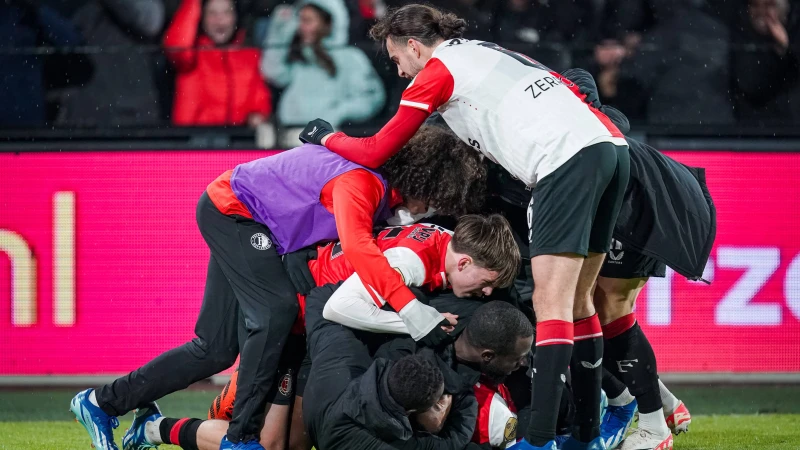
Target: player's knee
[582, 308]
[217, 357]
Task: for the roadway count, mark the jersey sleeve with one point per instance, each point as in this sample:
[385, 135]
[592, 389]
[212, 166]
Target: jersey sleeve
[357, 305]
[356, 197]
[375, 150]
[430, 89]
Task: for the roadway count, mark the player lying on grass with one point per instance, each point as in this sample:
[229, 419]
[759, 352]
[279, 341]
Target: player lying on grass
[249, 217]
[479, 256]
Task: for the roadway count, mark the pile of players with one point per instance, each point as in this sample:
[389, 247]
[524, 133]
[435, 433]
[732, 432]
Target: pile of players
[359, 328]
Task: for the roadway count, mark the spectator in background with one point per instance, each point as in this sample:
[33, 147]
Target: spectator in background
[681, 66]
[218, 81]
[545, 21]
[308, 54]
[121, 88]
[765, 64]
[605, 65]
[25, 24]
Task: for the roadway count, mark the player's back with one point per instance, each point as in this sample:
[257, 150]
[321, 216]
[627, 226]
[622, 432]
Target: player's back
[515, 110]
[420, 243]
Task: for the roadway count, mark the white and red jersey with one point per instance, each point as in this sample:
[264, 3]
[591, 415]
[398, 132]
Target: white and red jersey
[514, 110]
[497, 416]
[417, 252]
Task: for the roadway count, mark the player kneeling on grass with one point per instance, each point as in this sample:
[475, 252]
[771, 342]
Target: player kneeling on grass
[250, 217]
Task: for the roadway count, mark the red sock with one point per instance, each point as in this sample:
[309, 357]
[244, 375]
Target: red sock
[554, 332]
[619, 326]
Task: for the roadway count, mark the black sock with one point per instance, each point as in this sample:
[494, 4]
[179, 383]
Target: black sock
[630, 358]
[182, 432]
[612, 385]
[550, 363]
[587, 375]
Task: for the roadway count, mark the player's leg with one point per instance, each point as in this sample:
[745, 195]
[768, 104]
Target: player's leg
[552, 303]
[630, 358]
[587, 356]
[268, 302]
[562, 218]
[298, 437]
[622, 405]
[275, 432]
[196, 434]
[214, 349]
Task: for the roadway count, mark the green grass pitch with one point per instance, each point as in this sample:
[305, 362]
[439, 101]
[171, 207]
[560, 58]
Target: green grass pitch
[729, 418]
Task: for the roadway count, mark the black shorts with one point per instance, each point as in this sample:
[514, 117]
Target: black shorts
[288, 379]
[574, 209]
[627, 264]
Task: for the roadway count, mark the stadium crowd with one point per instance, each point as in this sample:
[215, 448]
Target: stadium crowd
[139, 63]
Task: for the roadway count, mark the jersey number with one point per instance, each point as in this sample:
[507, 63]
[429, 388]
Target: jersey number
[530, 62]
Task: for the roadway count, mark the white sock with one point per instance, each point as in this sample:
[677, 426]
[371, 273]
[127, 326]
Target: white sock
[670, 401]
[623, 399]
[654, 423]
[93, 399]
[152, 433]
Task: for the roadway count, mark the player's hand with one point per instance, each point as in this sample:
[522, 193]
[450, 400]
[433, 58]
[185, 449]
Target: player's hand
[296, 265]
[315, 131]
[437, 336]
[591, 96]
[453, 321]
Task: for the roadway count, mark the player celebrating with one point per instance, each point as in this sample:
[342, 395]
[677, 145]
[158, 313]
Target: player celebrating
[480, 255]
[534, 123]
[249, 217]
[682, 240]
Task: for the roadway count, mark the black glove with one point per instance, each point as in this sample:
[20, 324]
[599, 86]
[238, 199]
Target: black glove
[296, 265]
[437, 336]
[315, 131]
[591, 96]
[586, 85]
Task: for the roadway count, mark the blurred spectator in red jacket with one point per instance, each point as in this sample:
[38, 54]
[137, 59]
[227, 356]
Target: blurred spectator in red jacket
[218, 81]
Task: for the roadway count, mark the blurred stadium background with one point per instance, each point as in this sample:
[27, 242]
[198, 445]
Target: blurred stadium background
[104, 152]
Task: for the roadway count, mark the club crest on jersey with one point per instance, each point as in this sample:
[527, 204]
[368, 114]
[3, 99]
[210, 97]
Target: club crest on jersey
[285, 387]
[260, 241]
[510, 432]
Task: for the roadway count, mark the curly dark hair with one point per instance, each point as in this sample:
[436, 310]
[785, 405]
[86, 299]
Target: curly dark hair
[438, 168]
[497, 326]
[415, 383]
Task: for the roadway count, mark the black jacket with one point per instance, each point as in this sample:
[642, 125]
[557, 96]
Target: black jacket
[347, 402]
